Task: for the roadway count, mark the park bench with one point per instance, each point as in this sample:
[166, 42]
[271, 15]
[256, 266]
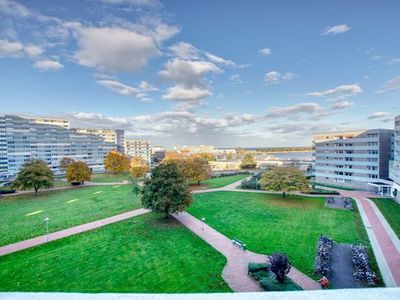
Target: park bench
[239, 243]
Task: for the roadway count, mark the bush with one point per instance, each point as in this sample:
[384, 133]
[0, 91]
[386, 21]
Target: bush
[323, 192]
[6, 191]
[255, 267]
[259, 275]
[269, 283]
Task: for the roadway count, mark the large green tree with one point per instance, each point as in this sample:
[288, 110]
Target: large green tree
[284, 179]
[166, 191]
[194, 169]
[116, 162]
[34, 174]
[78, 171]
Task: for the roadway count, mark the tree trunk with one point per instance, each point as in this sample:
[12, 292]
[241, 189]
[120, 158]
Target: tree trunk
[36, 191]
[284, 194]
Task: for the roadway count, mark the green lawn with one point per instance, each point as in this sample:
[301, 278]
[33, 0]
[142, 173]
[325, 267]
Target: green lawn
[334, 186]
[218, 182]
[391, 210]
[21, 217]
[109, 178]
[269, 223]
[140, 255]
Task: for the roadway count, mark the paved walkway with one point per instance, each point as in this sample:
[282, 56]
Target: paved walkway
[382, 239]
[68, 232]
[235, 271]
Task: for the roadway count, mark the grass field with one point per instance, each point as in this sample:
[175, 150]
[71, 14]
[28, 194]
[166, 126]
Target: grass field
[213, 183]
[391, 210]
[140, 255]
[109, 178]
[335, 186]
[269, 223]
[21, 217]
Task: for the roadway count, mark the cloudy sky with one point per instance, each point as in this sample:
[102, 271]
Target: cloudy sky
[228, 73]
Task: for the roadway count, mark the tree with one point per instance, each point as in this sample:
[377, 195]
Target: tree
[280, 266]
[248, 162]
[116, 162]
[284, 179]
[34, 174]
[194, 169]
[65, 162]
[139, 167]
[78, 171]
[167, 190]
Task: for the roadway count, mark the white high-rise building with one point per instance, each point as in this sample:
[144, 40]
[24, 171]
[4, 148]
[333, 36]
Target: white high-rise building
[138, 148]
[356, 159]
[394, 169]
[116, 136]
[49, 139]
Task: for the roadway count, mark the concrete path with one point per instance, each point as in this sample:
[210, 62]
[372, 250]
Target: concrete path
[68, 232]
[383, 243]
[235, 271]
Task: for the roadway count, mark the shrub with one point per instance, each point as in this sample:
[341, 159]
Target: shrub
[7, 191]
[259, 275]
[270, 284]
[255, 267]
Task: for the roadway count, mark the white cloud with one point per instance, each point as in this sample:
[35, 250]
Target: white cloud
[335, 29]
[265, 52]
[12, 49]
[378, 115]
[147, 87]
[391, 85]
[342, 104]
[119, 87]
[114, 49]
[274, 77]
[180, 92]
[144, 3]
[48, 65]
[220, 61]
[184, 51]
[341, 90]
[236, 79]
[33, 50]
[394, 61]
[12, 8]
[293, 110]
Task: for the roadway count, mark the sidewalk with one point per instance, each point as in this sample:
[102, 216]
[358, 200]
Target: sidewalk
[68, 232]
[235, 271]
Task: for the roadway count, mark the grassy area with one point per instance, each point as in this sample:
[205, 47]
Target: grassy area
[109, 178]
[21, 217]
[334, 186]
[391, 210]
[61, 183]
[269, 223]
[139, 255]
[213, 183]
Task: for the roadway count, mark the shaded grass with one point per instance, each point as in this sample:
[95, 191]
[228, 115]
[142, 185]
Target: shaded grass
[86, 206]
[391, 210]
[213, 183]
[269, 223]
[140, 255]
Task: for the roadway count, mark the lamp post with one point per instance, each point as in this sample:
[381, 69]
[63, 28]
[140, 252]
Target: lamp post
[202, 223]
[46, 220]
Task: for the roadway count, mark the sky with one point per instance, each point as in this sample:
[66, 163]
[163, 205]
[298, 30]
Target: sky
[224, 73]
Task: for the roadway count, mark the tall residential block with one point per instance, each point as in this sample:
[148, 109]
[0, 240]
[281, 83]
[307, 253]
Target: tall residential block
[116, 136]
[49, 139]
[357, 159]
[138, 148]
[394, 170]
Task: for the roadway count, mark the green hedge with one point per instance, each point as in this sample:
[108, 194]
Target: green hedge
[255, 267]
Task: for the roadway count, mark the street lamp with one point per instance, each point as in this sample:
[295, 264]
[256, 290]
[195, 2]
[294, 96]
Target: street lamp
[46, 220]
[202, 223]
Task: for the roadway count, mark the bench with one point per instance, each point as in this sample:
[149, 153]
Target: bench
[239, 243]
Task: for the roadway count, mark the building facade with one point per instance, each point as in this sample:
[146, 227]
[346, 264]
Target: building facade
[111, 136]
[357, 159]
[26, 138]
[195, 149]
[139, 148]
[394, 168]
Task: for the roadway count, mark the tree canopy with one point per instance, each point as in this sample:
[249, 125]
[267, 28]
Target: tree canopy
[167, 190]
[284, 179]
[248, 162]
[193, 168]
[65, 162]
[116, 162]
[78, 171]
[139, 167]
[34, 174]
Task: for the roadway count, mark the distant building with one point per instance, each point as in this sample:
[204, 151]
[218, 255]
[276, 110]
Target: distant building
[224, 165]
[394, 169]
[139, 148]
[157, 154]
[224, 154]
[357, 159]
[194, 149]
[49, 139]
[116, 136]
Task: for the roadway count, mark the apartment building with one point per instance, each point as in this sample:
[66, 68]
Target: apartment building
[357, 159]
[116, 136]
[139, 148]
[195, 149]
[394, 168]
[49, 139]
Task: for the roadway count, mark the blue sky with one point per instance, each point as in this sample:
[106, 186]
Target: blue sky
[228, 73]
